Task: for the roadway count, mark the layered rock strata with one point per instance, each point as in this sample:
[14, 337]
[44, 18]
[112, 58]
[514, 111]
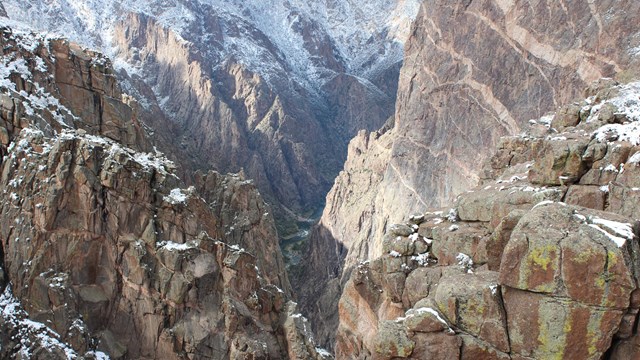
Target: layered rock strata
[538, 262]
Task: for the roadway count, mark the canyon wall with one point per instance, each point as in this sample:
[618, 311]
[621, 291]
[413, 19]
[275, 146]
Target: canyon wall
[473, 71]
[538, 262]
[272, 89]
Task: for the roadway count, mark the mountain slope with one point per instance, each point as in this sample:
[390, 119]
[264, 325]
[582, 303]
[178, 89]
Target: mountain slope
[539, 261]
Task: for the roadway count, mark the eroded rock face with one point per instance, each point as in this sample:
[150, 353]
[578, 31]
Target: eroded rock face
[511, 271]
[463, 87]
[105, 250]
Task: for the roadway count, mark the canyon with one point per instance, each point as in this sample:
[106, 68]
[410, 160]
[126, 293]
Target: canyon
[486, 207]
[273, 90]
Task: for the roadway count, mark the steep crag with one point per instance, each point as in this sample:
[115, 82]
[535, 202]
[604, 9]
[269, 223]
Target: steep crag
[105, 251]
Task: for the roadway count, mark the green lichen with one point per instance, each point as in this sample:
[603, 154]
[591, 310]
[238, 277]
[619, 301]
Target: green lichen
[593, 332]
[542, 256]
[539, 258]
[612, 259]
[584, 257]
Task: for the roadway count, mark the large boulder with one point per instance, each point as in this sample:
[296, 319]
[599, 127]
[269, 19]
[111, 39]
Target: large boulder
[568, 274]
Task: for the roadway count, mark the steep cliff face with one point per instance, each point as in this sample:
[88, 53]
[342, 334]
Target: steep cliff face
[540, 261]
[273, 89]
[105, 251]
[473, 71]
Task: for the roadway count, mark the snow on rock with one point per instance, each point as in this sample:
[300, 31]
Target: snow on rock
[465, 261]
[423, 259]
[543, 203]
[422, 310]
[366, 36]
[617, 232]
[634, 159]
[178, 196]
[324, 353]
[627, 103]
[173, 246]
[39, 99]
[32, 335]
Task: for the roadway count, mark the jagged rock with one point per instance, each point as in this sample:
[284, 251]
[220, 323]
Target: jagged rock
[562, 163]
[436, 346]
[626, 349]
[425, 318]
[608, 159]
[542, 326]
[493, 203]
[108, 247]
[474, 349]
[624, 200]
[420, 283]
[466, 238]
[567, 116]
[400, 230]
[458, 94]
[568, 276]
[500, 237]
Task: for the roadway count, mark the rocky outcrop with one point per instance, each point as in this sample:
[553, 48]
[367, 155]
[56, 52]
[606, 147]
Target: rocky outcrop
[105, 251]
[474, 71]
[532, 264]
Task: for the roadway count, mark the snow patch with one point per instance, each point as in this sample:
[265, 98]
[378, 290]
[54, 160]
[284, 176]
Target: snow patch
[465, 262]
[618, 232]
[173, 246]
[634, 159]
[628, 103]
[423, 259]
[178, 196]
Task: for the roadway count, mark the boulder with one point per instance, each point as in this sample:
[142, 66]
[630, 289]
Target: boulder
[544, 327]
[467, 238]
[567, 116]
[592, 197]
[391, 341]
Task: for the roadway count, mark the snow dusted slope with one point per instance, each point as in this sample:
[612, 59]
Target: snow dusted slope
[364, 37]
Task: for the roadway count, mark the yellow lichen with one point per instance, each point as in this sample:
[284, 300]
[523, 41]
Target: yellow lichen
[552, 342]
